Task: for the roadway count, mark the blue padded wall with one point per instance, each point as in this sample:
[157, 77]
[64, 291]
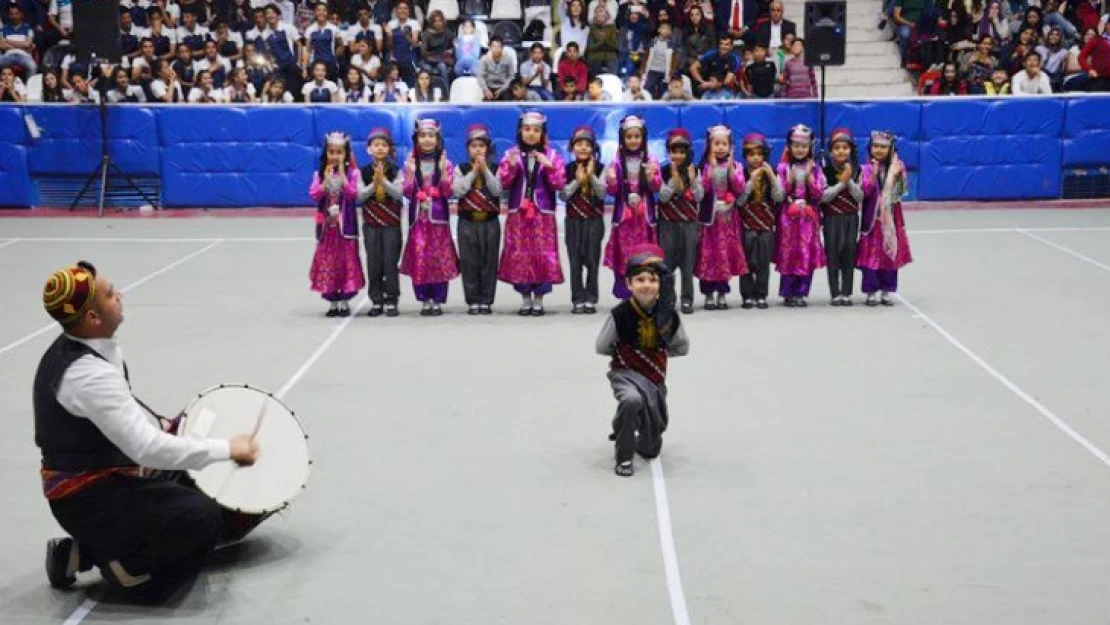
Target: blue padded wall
[227, 156]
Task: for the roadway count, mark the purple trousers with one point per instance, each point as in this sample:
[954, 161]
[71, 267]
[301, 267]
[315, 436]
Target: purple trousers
[535, 288]
[709, 287]
[794, 286]
[620, 288]
[436, 292]
[885, 280]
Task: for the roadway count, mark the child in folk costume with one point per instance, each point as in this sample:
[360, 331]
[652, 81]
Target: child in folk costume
[679, 199]
[799, 252]
[639, 336]
[884, 247]
[478, 192]
[336, 271]
[840, 206]
[721, 254]
[584, 195]
[759, 212]
[633, 179]
[429, 257]
[380, 192]
[534, 172]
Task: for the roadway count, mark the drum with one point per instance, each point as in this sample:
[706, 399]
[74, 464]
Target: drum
[248, 495]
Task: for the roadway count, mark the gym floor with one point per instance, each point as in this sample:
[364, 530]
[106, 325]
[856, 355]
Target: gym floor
[940, 461]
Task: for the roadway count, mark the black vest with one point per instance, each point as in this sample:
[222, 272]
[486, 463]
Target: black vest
[68, 442]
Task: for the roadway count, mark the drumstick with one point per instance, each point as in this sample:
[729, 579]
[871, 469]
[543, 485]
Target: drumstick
[261, 417]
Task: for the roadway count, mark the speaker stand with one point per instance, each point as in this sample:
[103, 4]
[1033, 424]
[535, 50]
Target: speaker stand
[822, 144]
[101, 170]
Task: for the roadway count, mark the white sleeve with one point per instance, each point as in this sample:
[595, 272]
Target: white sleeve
[94, 389]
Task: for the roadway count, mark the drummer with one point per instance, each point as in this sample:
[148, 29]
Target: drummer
[143, 534]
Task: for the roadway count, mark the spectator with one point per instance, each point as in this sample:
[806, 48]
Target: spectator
[633, 41]
[698, 36]
[603, 45]
[145, 59]
[164, 38]
[926, 48]
[258, 67]
[662, 61]
[783, 54]
[596, 92]
[437, 47]
[354, 89]
[403, 40]
[129, 35]
[81, 93]
[677, 92]
[957, 31]
[978, 65]
[495, 71]
[999, 84]
[362, 30]
[122, 90]
[574, 27]
[714, 90]
[185, 67]
[468, 50]
[320, 88]
[239, 89]
[229, 43]
[1033, 20]
[166, 87]
[1054, 19]
[734, 18]
[275, 92]
[612, 7]
[257, 34]
[1094, 58]
[424, 91]
[10, 90]
[770, 34]
[950, 82]
[17, 42]
[52, 87]
[759, 77]
[993, 25]
[905, 16]
[518, 92]
[321, 40]
[1075, 79]
[60, 16]
[571, 66]
[281, 40]
[192, 34]
[391, 88]
[570, 92]
[1055, 57]
[797, 78]
[218, 66]
[365, 57]
[1087, 15]
[536, 73]
[722, 64]
[635, 91]
[1015, 54]
[204, 92]
[1032, 81]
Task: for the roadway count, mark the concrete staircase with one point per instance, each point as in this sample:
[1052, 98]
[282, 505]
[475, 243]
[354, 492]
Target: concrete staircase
[872, 69]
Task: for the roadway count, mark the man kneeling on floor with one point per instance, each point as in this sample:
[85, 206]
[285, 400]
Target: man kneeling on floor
[639, 336]
[142, 533]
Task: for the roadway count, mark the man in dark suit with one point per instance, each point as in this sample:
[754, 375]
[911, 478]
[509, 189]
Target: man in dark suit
[769, 34]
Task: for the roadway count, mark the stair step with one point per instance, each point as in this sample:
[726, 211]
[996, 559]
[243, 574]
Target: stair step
[873, 61]
[847, 75]
[867, 35]
[869, 92]
[864, 48]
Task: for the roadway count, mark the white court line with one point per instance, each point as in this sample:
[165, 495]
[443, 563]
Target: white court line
[48, 327]
[666, 542]
[8, 242]
[1014, 388]
[1064, 249]
[87, 606]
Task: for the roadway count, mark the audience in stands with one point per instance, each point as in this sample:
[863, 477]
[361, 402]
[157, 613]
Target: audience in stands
[361, 51]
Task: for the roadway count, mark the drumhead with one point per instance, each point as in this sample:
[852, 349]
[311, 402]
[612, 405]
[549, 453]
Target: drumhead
[281, 472]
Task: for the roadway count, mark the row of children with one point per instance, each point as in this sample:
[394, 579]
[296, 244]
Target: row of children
[716, 219]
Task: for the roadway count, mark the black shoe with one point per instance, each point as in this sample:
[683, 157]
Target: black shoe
[58, 553]
[484, 309]
[578, 309]
[525, 311]
[391, 310]
[426, 311]
[537, 310]
[835, 301]
[589, 308]
[375, 311]
[344, 312]
[762, 304]
[436, 310]
[722, 304]
[687, 307]
[624, 469]
[790, 302]
[332, 312]
[846, 301]
[747, 304]
[801, 302]
[474, 309]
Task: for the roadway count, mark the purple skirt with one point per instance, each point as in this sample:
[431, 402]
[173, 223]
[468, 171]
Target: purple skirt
[720, 250]
[798, 249]
[336, 266]
[623, 237]
[430, 256]
[531, 251]
[871, 255]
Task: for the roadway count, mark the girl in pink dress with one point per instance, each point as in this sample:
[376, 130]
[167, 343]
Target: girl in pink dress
[429, 257]
[799, 251]
[534, 173]
[721, 252]
[884, 247]
[632, 179]
[336, 272]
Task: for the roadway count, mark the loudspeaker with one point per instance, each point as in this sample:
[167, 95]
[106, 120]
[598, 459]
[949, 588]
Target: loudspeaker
[826, 32]
[96, 30]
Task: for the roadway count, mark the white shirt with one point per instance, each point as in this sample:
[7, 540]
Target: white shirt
[1023, 84]
[96, 390]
